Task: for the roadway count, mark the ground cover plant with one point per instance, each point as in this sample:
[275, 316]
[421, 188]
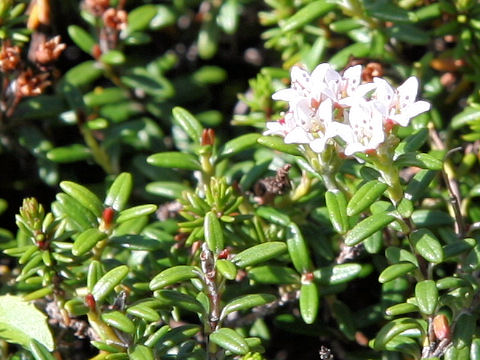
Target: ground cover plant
[236, 179]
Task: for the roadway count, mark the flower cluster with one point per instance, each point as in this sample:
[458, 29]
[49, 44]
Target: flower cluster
[325, 104]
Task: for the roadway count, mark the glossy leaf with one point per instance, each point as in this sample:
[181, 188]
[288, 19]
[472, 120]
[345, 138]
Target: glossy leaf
[81, 38]
[141, 352]
[107, 282]
[273, 215]
[68, 154]
[309, 302]
[136, 211]
[84, 73]
[277, 143]
[119, 321]
[392, 329]
[143, 312]
[176, 160]
[337, 274]
[226, 268]
[259, 253]
[365, 196]
[420, 160]
[213, 232]
[271, 274]
[238, 144]
[367, 227]
[188, 123]
[176, 336]
[464, 330]
[167, 189]
[175, 298]
[426, 294]
[84, 196]
[298, 249]
[246, 302]
[337, 210]
[87, 240]
[173, 275]
[307, 14]
[427, 245]
[230, 340]
[400, 309]
[140, 17]
[394, 271]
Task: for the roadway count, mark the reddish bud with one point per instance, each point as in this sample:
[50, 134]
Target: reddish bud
[441, 328]
[96, 51]
[224, 254]
[107, 217]
[208, 137]
[307, 277]
[90, 301]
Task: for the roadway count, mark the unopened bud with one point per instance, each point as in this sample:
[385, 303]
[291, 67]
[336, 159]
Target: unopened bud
[441, 328]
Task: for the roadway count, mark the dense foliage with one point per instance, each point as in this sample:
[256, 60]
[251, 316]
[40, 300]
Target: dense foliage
[158, 203]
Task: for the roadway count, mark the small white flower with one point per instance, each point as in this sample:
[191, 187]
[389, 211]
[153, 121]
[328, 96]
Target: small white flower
[366, 127]
[400, 103]
[289, 130]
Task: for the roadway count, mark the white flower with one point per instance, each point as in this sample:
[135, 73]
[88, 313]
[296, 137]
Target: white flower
[401, 105]
[366, 131]
[288, 129]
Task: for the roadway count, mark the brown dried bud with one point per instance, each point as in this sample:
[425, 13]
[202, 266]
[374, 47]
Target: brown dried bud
[29, 84]
[9, 57]
[49, 51]
[115, 19]
[96, 7]
[372, 70]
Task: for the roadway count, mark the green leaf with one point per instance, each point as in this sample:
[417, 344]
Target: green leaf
[208, 75]
[119, 192]
[418, 184]
[408, 33]
[230, 340]
[298, 250]
[246, 302]
[177, 160]
[309, 302]
[135, 212]
[340, 59]
[141, 352]
[464, 330]
[236, 145]
[39, 351]
[392, 329]
[173, 275]
[426, 294]
[213, 232]
[176, 298]
[76, 307]
[226, 268]
[107, 282]
[344, 318]
[84, 196]
[87, 240]
[20, 322]
[421, 160]
[104, 96]
[84, 73]
[400, 309]
[119, 321]
[143, 312]
[277, 143]
[273, 215]
[228, 16]
[81, 38]
[307, 14]
[365, 196]
[188, 123]
[337, 210]
[75, 214]
[272, 274]
[259, 253]
[170, 190]
[412, 142]
[467, 116]
[113, 57]
[208, 38]
[337, 274]
[68, 154]
[427, 245]
[367, 227]
[429, 218]
[394, 271]
[140, 17]
[174, 337]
